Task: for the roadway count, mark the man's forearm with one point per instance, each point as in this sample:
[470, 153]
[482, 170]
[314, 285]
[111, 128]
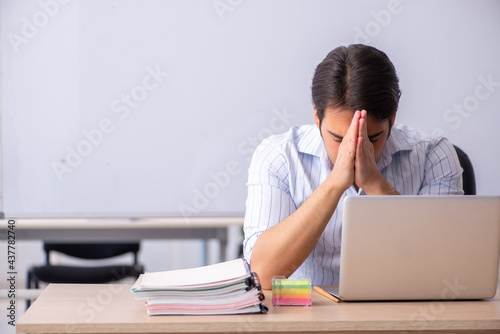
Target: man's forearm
[380, 186]
[281, 249]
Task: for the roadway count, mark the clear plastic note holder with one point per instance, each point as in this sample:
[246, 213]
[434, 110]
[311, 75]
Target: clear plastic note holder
[291, 292]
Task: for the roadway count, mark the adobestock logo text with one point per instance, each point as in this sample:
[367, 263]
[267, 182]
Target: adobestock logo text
[381, 19]
[220, 180]
[31, 27]
[122, 107]
[470, 103]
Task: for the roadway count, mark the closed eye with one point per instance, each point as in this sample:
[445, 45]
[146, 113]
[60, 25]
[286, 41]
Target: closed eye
[336, 138]
[373, 138]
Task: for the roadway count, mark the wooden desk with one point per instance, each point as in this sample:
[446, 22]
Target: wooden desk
[112, 309]
[120, 230]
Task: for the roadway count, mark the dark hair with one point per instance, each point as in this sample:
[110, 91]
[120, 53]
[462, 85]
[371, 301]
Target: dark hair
[356, 77]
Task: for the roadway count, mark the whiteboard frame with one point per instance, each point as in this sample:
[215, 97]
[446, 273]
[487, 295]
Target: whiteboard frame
[1, 123]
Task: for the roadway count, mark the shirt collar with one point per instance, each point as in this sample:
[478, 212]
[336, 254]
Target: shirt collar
[394, 144]
[312, 143]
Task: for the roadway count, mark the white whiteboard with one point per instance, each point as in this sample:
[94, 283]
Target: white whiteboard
[181, 92]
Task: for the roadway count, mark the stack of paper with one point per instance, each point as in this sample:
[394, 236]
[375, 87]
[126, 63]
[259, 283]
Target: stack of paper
[223, 288]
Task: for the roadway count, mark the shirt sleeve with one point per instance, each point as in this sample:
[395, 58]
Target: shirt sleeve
[442, 173]
[269, 200]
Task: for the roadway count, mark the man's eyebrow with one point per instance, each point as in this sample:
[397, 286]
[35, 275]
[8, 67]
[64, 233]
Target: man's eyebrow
[369, 137]
[335, 135]
[375, 134]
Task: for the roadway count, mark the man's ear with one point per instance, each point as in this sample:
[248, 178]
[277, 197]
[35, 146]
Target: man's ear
[393, 120]
[316, 118]
[391, 123]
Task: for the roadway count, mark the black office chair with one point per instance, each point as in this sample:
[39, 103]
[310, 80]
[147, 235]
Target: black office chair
[468, 177]
[49, 273]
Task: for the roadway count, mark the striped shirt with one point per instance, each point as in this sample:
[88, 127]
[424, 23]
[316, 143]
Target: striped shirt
[287, 168]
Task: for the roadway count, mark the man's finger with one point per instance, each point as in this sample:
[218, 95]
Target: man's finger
[362, 126]
[351, 137]
[366, 127]
[361, 117]
[354, 128]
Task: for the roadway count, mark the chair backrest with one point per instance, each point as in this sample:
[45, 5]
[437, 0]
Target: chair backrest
[92, 250]
[468, 177]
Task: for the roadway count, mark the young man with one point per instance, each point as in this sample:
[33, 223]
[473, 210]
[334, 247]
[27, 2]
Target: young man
[298, 180]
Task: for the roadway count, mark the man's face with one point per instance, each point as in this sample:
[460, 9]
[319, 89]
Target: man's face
[335, 124]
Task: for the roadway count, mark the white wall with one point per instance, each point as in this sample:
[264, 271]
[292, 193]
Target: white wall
[120, 108]
[259, 55]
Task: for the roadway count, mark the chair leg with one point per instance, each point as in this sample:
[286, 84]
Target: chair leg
[28, 286]
[31, 281]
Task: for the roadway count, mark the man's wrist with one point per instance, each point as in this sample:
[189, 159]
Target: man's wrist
[379, 186]
[333, 187]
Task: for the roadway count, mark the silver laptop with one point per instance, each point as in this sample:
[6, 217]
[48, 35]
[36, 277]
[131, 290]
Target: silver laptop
[419, 247]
